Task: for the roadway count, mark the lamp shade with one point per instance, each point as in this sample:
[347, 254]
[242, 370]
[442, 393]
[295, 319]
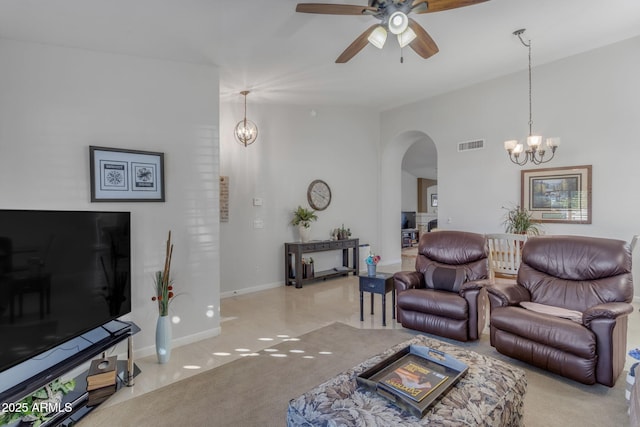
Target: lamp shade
[378, 37]
[510, 144]
[534, 140]
[406, 37]
[398, 22]
[553, 142]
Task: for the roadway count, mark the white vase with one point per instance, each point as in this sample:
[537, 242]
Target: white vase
[163, 339]
[305, 233]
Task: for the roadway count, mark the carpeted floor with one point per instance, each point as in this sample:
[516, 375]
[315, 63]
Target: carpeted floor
[255, 391]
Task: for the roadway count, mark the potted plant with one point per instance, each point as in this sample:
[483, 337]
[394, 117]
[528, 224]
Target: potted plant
[302, 218]
[518, 220]
[163, 295]
[39, 406]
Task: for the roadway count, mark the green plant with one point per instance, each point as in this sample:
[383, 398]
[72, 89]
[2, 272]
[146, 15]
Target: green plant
[303, 217]
[164, 284]
[36, 407]
[518, 220]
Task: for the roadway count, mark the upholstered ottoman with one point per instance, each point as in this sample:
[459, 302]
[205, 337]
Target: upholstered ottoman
[490, 394]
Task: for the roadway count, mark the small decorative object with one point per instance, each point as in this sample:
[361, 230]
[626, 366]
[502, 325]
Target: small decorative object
[39, 406]
[119, 175]
[307, 268]
[302, 218]
[372, 260]
[163, 296]
[519, 221]
[342, 233]
[319, 195]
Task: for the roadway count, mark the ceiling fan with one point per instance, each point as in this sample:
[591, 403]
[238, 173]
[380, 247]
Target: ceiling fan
[393, 16]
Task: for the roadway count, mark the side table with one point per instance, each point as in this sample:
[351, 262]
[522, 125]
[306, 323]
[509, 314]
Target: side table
[381, 283]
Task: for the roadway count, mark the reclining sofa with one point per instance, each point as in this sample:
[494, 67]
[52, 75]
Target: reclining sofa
[568, 310]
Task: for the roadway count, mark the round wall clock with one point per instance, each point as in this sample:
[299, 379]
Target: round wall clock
[319, 195]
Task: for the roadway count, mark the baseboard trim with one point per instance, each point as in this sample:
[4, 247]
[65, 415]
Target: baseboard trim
[178, 342]
[250, 290]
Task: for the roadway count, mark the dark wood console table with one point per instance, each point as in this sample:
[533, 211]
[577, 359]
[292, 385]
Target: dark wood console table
[293, 267]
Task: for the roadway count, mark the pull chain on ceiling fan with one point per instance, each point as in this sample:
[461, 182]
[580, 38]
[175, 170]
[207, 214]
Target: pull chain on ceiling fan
[394, 18]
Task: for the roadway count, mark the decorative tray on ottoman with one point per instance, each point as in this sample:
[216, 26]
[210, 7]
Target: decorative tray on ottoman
[414, 378]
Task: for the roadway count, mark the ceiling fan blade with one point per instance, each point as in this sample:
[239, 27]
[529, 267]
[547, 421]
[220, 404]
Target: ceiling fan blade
[440, 5]
[423, 44]
[419, 6]
[357, 45]
[334, 9]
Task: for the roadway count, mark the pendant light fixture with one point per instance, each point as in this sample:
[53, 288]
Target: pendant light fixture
[246, 132]
[535, 150]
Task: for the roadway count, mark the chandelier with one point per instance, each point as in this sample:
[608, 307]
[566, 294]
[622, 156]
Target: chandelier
[535, 151]
[246, 132]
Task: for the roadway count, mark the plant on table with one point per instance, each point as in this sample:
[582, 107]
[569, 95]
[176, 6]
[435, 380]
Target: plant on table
[518, 220]
[303, 217]
[372, 259]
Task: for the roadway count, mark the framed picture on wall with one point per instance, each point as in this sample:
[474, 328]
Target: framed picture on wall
[558, 194]
[434, 200]
[119, 175]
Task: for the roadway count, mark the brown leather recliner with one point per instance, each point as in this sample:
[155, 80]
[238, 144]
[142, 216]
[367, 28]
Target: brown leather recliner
[442, 296]
[584, 278]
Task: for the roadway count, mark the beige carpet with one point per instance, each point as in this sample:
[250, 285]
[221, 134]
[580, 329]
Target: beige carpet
[255, 391]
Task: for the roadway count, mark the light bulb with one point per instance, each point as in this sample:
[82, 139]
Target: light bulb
[398, 22]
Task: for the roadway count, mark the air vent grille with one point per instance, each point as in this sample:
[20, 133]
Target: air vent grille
[477, 144]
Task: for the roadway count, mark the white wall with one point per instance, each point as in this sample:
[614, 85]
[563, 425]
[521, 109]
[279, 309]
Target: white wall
[56, 102]
[590, 100]
[409, 193]
[336, 144]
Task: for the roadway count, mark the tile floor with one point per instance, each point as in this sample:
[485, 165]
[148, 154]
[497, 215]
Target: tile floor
[259, 320]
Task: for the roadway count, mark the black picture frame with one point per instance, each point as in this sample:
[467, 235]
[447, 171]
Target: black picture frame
[122, 175]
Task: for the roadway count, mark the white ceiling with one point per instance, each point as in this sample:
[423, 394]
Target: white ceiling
[288, 57]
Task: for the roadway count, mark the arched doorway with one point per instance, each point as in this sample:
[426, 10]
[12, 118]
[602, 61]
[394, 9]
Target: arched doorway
[420, 153]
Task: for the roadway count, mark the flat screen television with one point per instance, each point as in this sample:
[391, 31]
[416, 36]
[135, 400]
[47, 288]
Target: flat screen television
[62, 274]
[408, 220]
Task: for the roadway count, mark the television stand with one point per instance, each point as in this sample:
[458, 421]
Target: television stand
[410, 237]
[74, 404]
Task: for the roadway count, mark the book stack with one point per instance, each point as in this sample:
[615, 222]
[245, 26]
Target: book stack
[101, 379]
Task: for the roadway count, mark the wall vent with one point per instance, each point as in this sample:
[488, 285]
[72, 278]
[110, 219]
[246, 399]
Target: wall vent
[477, 144]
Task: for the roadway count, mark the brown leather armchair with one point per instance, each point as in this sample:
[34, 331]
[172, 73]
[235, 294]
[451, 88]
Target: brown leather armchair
[442, 297]
[560, 278]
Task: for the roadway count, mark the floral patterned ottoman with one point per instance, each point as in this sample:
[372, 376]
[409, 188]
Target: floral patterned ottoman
[490, 394]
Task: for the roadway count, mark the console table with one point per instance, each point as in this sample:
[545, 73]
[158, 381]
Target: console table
[293, 259]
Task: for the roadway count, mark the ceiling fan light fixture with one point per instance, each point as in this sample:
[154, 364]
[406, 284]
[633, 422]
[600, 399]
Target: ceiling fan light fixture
[378, 37]
[398, 22]
[406, 37]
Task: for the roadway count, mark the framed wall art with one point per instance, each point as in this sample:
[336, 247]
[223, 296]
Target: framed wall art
[558, 194]
[119, 175]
